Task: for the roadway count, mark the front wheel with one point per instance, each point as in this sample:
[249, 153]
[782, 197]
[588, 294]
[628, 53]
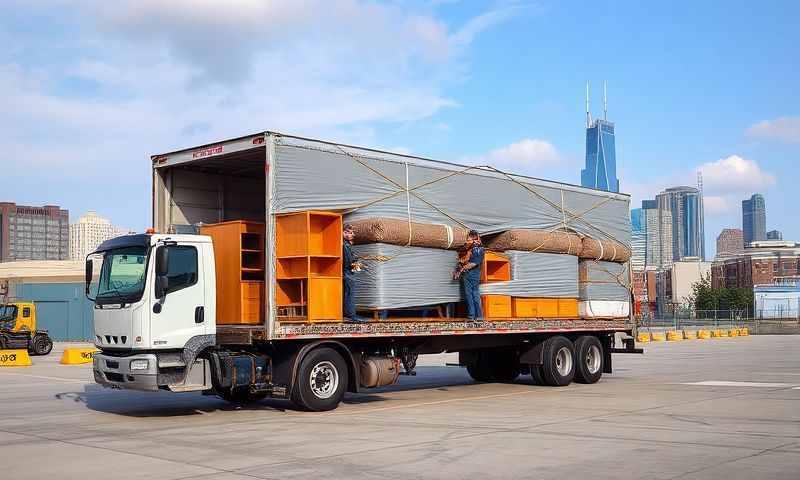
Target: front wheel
[321, 380]
[41, 344]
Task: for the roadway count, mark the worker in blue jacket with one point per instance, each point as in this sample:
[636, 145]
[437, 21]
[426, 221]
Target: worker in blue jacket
[350, 265]
[469, 271]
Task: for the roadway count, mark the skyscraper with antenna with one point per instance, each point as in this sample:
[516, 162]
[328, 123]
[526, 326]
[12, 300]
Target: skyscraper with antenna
[601, 156]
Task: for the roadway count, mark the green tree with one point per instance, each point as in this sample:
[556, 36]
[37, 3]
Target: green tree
[704, 297]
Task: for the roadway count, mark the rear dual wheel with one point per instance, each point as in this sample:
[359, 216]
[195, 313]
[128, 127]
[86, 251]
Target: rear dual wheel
[501, 366]
[564, 361]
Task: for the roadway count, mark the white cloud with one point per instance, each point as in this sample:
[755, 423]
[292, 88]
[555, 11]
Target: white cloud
[714, 205]
[735, 174]
[523, 156]
[784, 129]
[165, 75]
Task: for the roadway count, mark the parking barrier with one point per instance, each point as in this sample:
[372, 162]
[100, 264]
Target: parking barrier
[657, 337]
[643, 337]
[689, 335]
[15, 358]
[77, 356]
[674, 335]
[744, 332]
[703, 334]
[733, 332]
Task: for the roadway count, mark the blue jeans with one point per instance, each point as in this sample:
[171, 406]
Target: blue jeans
[349, 300]
[472, 296]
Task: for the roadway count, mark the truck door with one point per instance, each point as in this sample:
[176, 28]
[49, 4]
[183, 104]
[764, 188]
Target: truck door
[181, 314]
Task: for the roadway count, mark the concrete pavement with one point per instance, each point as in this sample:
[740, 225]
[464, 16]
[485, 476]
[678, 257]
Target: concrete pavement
[716, 409]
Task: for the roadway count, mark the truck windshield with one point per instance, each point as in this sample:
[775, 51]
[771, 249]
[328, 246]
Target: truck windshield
[8, 316]
[122, 275]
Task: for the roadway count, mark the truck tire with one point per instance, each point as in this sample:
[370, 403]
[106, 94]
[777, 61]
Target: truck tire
[588, 359]
[41, 344]
[536, 375]
[558, 357]
[321, 380]
[495, 366]
[503, 365]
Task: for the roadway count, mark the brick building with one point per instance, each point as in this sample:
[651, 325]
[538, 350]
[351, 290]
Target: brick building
[33, 233]
[730, 241]
[766, 262]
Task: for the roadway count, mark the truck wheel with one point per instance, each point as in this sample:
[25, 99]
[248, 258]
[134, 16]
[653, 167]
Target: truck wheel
[321, 380]
[479, 371]
[41, 344]
[588, 359]
[536, 374]
[503, 366]
[558, 367]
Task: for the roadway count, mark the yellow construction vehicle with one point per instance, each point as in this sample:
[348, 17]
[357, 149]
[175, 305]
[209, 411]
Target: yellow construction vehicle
[18, 329]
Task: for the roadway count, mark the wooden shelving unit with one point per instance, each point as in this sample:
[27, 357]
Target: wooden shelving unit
[308, 250]
[496, 268]
[239, 262]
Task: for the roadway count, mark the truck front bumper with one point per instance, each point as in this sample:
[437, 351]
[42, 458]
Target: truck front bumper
[116, 372]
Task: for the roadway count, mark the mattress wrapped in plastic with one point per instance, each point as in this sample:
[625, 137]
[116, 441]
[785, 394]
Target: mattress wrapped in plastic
[536, 241]
[605, 250]
[603, 309]
[402, 232]
[400, 277]
[534, 274]
[601, 280]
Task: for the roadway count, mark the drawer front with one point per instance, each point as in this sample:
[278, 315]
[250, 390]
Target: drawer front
[252, 303]
[496, 306]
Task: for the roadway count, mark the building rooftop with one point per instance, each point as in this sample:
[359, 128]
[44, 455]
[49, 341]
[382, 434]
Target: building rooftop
[42, 269]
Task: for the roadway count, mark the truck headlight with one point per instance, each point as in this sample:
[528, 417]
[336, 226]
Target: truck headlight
[140, 365]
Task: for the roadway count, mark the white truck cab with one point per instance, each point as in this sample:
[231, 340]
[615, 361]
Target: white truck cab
[154, 310]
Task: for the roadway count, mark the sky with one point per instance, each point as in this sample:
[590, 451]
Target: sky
[91, 89]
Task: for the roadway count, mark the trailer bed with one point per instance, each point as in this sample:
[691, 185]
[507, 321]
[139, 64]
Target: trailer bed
[410, 327]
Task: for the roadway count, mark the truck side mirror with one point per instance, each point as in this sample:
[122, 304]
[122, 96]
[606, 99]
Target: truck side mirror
[162, 283]
[162, 261]
[88, 275]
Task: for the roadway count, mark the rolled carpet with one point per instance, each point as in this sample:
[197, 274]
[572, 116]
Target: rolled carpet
[396, 232]
[610, 250]
[536, 241]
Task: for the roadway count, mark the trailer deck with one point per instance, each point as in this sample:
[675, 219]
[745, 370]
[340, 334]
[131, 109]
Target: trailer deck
[410, 327]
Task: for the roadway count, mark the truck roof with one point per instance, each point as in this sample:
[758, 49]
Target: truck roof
[255, 140]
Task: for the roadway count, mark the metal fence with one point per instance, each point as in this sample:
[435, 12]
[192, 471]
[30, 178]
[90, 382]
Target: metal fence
[759, 322]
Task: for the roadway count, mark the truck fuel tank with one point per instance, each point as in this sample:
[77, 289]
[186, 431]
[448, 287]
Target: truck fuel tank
[379, 371]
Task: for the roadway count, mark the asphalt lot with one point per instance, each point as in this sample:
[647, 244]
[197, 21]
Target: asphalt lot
[716, 409]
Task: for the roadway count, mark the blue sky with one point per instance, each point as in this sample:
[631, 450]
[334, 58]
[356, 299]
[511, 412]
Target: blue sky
[91, 89]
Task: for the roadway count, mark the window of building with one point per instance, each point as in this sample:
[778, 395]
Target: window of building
[182, 268]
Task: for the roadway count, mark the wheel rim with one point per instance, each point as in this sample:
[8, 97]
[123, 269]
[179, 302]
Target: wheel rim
[593, 359]
[324, 380]
[564, 361]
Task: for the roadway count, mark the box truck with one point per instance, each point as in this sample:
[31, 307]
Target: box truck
[236, 291]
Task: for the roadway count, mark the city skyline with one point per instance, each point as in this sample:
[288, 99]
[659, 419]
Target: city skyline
[121, 89]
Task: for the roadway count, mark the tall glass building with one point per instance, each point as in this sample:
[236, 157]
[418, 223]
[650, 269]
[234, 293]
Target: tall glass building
[638, 239]
[686, 208]
[754, 219]
[601, 157]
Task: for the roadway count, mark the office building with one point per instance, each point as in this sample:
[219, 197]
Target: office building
[88, 233]
[601, 157]
[638, 239]
[774, 235]
[675, 283]
[686, 207]
[754, 219]
[658, 234]
[33, 233]
[767, 262]
[730, 242]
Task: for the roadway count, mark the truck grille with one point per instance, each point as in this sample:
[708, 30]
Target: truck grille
[112, 364]
[115, 377]
[113, 339]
